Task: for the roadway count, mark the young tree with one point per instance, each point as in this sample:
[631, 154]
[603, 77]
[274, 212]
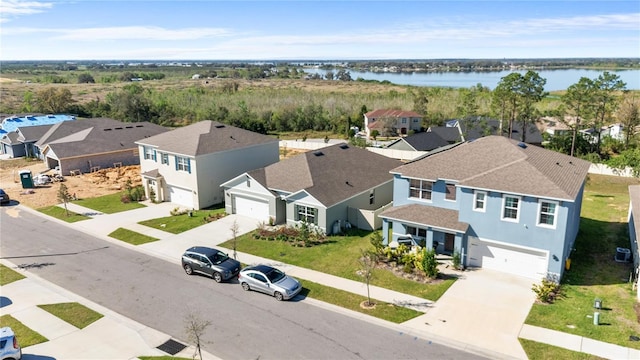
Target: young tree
[64, 197]
[368, 262]
[576, 101]
[629, 115]
[235, 228]
[430, 263]
[195, 328]
[54, 100]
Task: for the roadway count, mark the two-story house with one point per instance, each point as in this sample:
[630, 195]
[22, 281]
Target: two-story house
[187, 165]
[501, 204]
[398, 121]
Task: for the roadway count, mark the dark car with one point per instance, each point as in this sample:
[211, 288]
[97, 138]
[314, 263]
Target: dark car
[4, 197]
[211, 262]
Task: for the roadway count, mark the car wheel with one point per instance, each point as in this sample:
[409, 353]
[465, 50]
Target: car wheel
[217, 277]
[245, 286]
[278, 296]
[188, 269]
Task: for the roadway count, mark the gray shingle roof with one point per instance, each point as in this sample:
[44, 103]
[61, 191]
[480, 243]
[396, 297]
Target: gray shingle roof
[445, 219]
[205, 137]
[501, 164]
[95, 136]
[33, 133]
[426, 141]
[331, 174]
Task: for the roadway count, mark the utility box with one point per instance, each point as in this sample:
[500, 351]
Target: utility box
[26, 179]
[596, 318]
[597, 303]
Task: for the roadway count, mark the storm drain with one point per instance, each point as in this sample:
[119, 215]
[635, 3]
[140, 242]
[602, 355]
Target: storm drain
[172, 347]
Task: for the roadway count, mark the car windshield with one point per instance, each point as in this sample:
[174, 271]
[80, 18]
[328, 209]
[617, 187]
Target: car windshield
[275, 275]
[218, 257]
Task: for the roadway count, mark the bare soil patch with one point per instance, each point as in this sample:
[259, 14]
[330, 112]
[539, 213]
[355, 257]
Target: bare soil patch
[99, 183]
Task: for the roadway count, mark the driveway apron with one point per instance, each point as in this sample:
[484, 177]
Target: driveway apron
[483, 308]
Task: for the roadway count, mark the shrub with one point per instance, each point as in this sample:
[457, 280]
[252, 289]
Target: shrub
[547, 291]
[457, 260]
[376, 241]
[429, 263]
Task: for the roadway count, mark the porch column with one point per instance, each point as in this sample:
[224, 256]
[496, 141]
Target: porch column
[429, 240]
[385, 232]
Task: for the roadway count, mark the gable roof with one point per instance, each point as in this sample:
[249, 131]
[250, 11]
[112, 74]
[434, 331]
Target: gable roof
[331, 174]
[450, 134]
[97, 136]
[33, 133]
[205, 137]
[505, 165]
[379, 113]
[475, 127]
[66, 128]
[423, 141]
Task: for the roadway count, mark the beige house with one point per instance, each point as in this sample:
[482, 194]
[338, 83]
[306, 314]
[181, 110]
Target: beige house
[398, 121]
[186, 166]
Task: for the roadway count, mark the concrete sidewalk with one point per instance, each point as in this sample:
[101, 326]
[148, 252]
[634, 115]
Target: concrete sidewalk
[482, 325]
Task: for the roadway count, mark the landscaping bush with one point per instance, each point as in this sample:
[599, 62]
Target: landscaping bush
[429, 263]
[547, 291]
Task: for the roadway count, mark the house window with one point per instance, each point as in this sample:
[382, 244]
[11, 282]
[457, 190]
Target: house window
[404, 120]
[450, 192]
[372, 197]
[547, 213]
[307, 214]
[420, 189]
[415, 120]
[164, 158]
[149, 153]
[479, 200]
[416, 231]
[182, 164]
[510, 208]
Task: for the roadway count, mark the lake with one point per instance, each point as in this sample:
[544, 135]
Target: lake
[556, 79]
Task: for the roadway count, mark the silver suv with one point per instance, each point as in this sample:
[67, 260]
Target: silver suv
[211, 262]
[9, 348]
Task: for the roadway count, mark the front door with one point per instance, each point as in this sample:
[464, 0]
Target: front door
[449, 241]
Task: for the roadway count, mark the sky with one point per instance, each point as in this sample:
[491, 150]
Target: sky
[316, 30]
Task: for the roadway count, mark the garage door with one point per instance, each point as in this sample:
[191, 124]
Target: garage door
[181, 197]
[253, 208]
[513, 260]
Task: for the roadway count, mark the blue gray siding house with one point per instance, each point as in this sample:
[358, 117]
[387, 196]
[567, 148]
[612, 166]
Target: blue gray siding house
[499, 203]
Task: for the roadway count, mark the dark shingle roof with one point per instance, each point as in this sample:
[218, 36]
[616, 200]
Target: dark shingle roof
[501, 164]
[450, 134]
[33, 133]
[475, 127]
[206, 137]
[331, 174]
[98, 136]
[426, 141]
[445, 219]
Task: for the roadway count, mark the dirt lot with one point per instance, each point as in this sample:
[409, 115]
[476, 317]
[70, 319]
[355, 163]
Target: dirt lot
[103, 182]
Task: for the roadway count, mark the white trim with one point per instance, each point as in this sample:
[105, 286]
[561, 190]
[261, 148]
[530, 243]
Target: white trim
[537, 196]
[555, 214]
[484, 202]
[517, 219]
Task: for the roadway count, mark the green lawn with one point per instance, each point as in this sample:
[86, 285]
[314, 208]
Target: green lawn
[8, 276]
[540, 351]
[180, 223]
[594, 273]
[337, 256]
[131, 237]
[74, 313]
[60, 213]
[109, 204]
[26, 336]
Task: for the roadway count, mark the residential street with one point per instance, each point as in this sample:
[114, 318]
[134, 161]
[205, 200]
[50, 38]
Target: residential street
[158, 294]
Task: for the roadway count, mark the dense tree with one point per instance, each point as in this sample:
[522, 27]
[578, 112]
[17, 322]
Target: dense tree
[130, 104]
[468, 104]
[86, 78]
[629, 116]
[54, 100]
[605, 100]
[27, 101]
[420, 100]
[576, 102]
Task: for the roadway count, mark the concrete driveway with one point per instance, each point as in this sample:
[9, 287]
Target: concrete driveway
[484, 309]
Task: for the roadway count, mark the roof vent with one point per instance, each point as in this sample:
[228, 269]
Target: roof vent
[318, 153]
[219, 126]
[344, 146]
[107, 129]
[522, 145]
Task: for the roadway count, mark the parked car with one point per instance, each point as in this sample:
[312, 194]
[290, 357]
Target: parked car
[9, 348]
[211, 262]
[4, 197]
[269, 280]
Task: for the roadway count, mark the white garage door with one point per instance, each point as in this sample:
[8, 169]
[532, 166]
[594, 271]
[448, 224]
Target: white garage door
[513, 260]
[252, 208]
[181, 197]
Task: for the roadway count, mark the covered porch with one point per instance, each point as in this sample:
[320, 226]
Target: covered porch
[425, 226]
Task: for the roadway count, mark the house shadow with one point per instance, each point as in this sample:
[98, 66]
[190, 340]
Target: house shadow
[36, 357]
[593, 257]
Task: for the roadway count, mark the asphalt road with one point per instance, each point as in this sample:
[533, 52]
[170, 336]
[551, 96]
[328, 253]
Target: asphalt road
[158, 294]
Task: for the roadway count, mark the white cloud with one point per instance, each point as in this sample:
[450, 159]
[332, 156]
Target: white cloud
[10, 9]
